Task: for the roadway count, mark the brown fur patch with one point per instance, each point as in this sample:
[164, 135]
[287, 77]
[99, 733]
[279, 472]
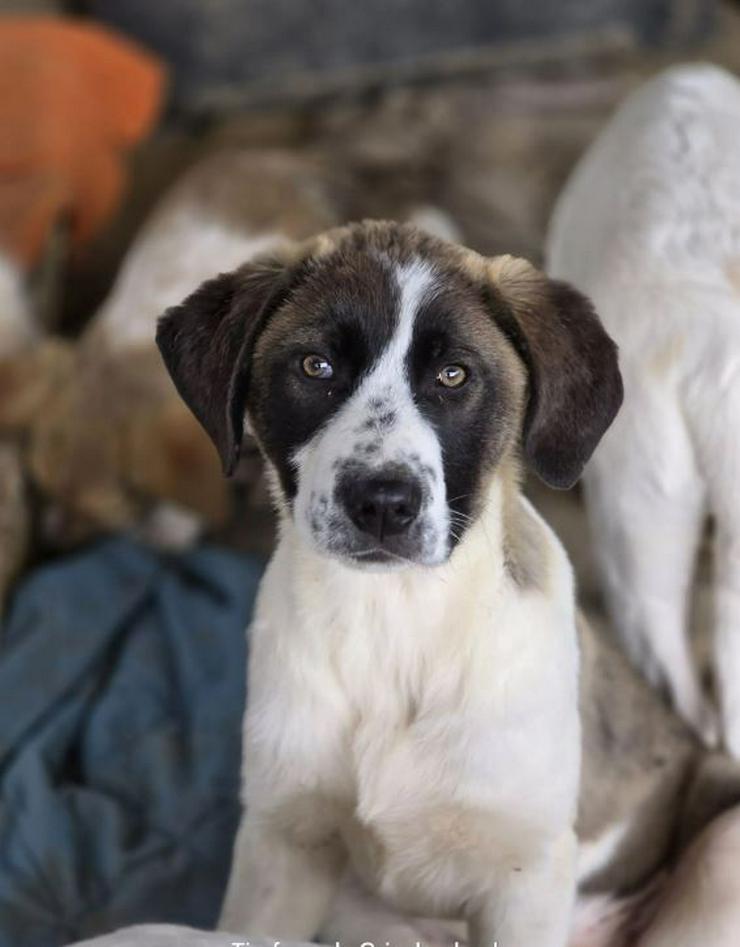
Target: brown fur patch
[106, 436]
[28, 379]
[168, 457]
[638, 759]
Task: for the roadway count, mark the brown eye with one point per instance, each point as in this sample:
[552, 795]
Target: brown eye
[316, 366]
[452, 376]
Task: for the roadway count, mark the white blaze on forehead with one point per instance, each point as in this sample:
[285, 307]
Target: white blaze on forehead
[416, 282]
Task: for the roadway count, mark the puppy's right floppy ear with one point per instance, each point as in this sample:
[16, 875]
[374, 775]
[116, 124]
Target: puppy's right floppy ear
[207, 343]
[575, 388]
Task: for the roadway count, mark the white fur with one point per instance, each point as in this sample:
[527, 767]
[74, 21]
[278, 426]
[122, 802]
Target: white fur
[184, 244]
[405, 710]
[423, 720]
[649, 227]
[17, 327]
[696, 907]
[170, 527]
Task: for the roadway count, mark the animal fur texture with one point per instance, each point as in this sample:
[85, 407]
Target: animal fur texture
[647, 226]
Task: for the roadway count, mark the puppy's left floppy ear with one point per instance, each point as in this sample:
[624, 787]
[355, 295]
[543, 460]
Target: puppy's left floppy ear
[207, 342]
[575, 388]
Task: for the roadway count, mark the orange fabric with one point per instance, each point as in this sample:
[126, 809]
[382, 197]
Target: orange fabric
[73, 98]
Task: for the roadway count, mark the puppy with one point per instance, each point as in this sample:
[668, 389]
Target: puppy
[647, 226]
[415, 714]
[413, 683]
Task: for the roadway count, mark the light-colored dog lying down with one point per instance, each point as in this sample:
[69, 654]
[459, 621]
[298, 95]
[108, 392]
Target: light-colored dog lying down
[107, 441]
[421, 690]
[649, 227]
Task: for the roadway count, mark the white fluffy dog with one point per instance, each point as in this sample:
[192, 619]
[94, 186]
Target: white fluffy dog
[649, 227]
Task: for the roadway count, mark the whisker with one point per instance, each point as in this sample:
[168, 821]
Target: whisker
[463, 496]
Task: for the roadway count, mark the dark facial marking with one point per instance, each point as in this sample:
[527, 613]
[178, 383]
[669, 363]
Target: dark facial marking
[473, 422]
[362, 449]
[377, 423]
[346, 310]
[575, 387]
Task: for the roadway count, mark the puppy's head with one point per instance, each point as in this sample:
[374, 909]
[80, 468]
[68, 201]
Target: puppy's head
[386, 376]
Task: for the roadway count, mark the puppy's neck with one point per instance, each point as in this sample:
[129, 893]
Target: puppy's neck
[478, 561]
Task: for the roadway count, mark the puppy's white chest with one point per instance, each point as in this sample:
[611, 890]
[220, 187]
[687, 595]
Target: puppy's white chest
[397, 701]
[441, 761]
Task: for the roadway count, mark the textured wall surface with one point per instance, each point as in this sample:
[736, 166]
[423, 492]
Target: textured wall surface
[232, 43]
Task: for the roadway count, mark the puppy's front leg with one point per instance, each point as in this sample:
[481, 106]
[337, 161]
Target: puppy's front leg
[533, 905]
[279, 887]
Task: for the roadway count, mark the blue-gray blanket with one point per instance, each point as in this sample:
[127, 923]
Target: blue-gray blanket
[121, 693]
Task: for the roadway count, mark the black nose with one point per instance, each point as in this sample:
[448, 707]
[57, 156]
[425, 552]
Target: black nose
[382, 506]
